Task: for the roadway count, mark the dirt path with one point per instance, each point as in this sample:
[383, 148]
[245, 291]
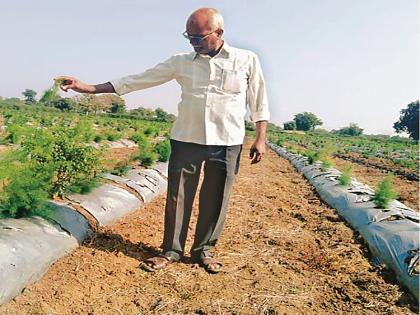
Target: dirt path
[283, 250]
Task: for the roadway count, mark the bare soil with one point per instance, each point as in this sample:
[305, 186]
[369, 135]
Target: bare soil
[284, 252]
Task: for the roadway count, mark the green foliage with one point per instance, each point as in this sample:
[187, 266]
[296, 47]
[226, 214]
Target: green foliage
[163, 148]
[29, 96]
[151, 131]
[352, 130]
[306, 121]
[98, 138]
[62, 151]
[113, 136]
[84, 187]
[51, 94]
[84, 128]
[14, 134]
[384, 193]
[346, 175]
[249, 126]
[25, 191]
[141, 140]
[121, 170]
[289, 125]
[147, 158]
[409, 121]
[117, 108]
[312, 156]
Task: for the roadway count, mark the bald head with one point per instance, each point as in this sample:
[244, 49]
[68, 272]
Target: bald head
[205, 28]
[206, 18]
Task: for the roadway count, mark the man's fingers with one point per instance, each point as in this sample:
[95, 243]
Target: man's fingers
[66, 82]
[251, 152]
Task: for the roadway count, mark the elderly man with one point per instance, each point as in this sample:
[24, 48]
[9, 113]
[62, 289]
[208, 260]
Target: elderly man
[218, 83]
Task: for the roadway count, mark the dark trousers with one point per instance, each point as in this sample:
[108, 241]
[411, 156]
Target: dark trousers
[221, 164]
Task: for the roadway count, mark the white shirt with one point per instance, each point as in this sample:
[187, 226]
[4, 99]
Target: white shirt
[216, 92]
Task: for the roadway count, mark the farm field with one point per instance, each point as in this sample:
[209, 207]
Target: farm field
[371, 158]
[284, 251]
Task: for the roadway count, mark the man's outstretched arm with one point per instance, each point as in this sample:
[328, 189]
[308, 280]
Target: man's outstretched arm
[78, 86]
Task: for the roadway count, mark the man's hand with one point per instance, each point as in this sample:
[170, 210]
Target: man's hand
[257, 151]
[75, 85]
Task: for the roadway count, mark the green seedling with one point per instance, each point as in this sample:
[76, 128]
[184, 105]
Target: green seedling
[384, 193]
[346, 175]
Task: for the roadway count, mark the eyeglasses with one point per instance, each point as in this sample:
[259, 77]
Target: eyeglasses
[197, 38]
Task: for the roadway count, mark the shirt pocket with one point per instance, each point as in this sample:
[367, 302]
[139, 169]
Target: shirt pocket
[231, 81]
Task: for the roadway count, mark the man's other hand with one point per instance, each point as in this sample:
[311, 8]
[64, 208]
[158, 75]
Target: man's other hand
[257, 151]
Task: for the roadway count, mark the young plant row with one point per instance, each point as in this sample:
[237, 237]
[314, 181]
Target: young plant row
[391, 150]
[384, 191]
[51, 161]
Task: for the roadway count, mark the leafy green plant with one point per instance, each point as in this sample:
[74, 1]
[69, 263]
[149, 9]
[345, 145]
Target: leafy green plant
[113, 136]
[384, 193]
[312, 156]
[84, 187]
[150, 131]
[163, 148]
[346, 175]
[98, 138]
[121, 170]
[25, 193]
[141, 140]
[147, 158]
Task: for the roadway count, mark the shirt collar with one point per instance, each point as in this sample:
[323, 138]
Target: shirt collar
[225, 50]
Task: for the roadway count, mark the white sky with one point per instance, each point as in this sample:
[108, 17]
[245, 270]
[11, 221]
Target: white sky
[344, 60]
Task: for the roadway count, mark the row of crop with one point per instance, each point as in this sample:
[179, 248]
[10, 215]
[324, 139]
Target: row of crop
[97, 127]
[400, 152]
[51, 161]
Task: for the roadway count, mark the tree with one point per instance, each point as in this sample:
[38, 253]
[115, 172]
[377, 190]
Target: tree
[289, 125]
[306, 121]
[29, 96]
[409, 120]
[352, 130]
[63, 103]
[117, 108]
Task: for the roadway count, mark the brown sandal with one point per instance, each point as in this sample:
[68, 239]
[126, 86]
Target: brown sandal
[211, 264]
[156, 263]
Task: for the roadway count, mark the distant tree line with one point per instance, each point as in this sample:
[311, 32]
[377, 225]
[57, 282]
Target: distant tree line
[408, 123]
[89, 104]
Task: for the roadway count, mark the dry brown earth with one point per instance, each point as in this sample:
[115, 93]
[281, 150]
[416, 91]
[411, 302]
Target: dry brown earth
[284, 252]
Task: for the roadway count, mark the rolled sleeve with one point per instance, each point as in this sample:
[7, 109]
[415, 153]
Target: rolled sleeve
[161, 73]
[256, 93]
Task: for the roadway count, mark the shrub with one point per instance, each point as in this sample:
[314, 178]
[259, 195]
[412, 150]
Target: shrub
[15, 133]
[84, 187]
[146, 158]
[163, 149]
[121, 170]
[113, 136]
[346, 175]
[98, 138]
[312, 156]
[26, 194]
[150, 131]
[60, 151]
[141, 140]
[384, 193]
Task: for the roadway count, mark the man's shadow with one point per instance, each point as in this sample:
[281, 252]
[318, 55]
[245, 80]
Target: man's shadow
[115, 243]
